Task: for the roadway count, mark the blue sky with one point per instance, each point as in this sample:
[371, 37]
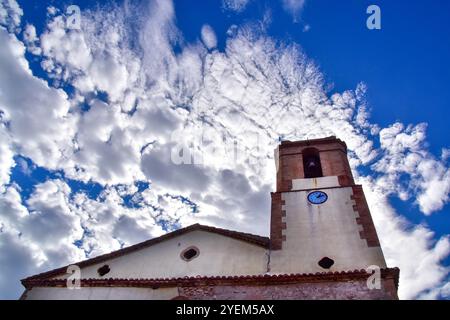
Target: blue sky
[405, 64]
[93, 136]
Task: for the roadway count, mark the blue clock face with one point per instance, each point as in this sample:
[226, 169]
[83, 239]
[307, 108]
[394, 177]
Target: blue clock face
[317, 197]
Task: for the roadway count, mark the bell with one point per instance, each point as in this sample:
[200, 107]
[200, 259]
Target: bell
[311, 164]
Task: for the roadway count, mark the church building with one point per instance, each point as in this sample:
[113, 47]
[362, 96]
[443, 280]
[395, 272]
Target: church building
[323, 245]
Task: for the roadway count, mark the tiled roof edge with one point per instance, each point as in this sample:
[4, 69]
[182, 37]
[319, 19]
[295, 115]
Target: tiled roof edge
[265, 279]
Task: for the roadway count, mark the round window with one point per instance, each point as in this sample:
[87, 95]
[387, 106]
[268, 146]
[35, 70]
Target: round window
[190, 253]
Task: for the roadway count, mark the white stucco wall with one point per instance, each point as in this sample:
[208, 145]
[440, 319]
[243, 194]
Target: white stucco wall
[219, 255]
[84, 293]
[325, 230]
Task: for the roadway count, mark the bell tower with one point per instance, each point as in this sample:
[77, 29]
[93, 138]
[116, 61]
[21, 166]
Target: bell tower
[320, 219]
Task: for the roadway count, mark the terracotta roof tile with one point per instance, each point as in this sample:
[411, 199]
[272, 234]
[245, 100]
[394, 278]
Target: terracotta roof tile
[263, 279]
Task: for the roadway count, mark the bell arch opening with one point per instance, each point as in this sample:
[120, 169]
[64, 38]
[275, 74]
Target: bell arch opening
[312, 167]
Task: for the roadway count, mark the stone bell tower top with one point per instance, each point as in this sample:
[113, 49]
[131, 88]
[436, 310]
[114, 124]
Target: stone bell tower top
[320, 218]
[316, 158]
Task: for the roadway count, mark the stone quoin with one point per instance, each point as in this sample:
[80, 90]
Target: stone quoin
[322, 244]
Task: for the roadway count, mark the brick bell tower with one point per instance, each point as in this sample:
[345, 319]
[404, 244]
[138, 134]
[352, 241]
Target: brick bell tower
[320, 220]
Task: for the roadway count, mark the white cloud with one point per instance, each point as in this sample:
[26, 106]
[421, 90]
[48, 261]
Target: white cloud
[78, 56]
[158, 167]
[51, 221]
[31, 40]
[437, 293]
[404, 153]
[51, 10]
[158, 34]
[36, 238]
[294, 7]
[65, 47]
[208, 36]
[411, 248]
[36, 113]
[6, 156]
[41, 235]
[17, 261]
[434, 184]
[247, 96]
[235, 5]
[10, 15]
[110, 224]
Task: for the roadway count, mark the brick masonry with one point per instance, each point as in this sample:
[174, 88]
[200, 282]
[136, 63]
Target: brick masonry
[276, 222]
[333, 159]
[365, 219]
[324, 285]
[345, 181]
[346, 290]
[334, 162]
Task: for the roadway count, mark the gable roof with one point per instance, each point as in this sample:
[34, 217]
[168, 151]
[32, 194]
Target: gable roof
[246, 237]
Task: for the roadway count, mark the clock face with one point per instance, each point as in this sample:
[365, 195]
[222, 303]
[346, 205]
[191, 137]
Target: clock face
[317, 197]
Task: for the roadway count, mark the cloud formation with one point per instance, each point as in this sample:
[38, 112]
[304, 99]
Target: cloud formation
[208, 37]
[10, 15]
[235, 5]
[135, 100]
[294, 7]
